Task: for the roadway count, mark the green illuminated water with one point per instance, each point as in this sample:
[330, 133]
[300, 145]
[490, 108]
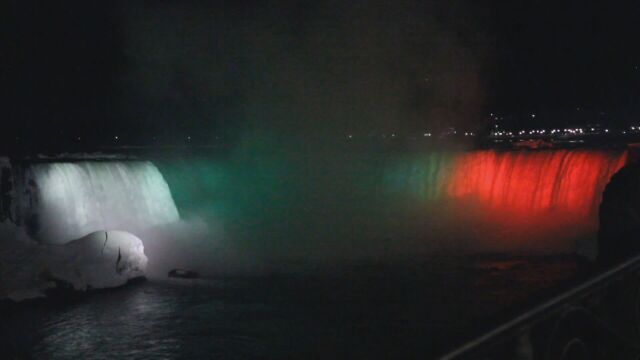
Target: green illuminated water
[304, 205]
[269, 204]
[421, 176]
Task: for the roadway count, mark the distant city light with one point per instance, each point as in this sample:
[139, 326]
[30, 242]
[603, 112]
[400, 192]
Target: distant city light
[508, 135]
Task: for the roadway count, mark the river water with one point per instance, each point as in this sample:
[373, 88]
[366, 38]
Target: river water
[413, 310]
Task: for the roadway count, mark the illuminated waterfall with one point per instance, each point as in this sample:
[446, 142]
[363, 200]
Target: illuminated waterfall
[365, 204]
[502, 200]
[534, 181]
[494, 197]
[64, 201]
[423, 176]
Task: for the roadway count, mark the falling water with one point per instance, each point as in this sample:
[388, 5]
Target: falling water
[359, 205]
[371, 203]
[65, 201]
[534, 181]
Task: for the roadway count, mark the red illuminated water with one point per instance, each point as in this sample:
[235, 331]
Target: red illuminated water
[534, 197]
[364, 205]
[535, 181]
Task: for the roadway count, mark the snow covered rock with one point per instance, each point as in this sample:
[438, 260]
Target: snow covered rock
[99, 260]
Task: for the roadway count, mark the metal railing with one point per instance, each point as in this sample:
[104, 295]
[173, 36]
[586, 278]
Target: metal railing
[509, 330]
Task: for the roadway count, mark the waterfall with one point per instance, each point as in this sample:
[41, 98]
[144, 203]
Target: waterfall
[60, 202]
[534, 181]
[398, 195]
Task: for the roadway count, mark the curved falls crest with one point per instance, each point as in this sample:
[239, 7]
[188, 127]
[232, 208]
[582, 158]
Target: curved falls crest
[501, 200]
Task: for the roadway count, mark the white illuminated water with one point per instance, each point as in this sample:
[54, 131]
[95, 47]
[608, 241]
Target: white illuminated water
[65, 201]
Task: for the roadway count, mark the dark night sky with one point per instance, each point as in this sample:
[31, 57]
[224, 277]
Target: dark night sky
[171, 69]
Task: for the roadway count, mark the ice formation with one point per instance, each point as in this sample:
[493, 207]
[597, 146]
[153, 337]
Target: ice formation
[99, 260]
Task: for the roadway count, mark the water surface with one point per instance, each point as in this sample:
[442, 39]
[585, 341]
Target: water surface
[366, 311]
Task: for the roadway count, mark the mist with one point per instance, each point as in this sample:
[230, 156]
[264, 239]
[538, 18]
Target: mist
[318, 70]
[285, 85]
[260, 211]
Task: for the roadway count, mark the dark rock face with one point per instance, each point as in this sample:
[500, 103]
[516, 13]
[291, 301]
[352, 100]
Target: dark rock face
[619, 232]
[6, 187]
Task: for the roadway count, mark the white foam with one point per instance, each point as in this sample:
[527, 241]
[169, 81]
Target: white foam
[65, 201]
